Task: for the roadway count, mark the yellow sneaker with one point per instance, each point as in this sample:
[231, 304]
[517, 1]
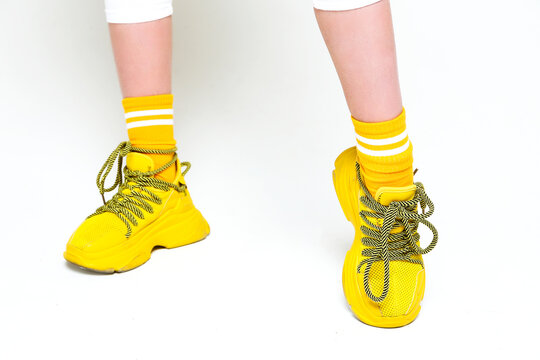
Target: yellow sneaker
[145, 212]
[383, 273]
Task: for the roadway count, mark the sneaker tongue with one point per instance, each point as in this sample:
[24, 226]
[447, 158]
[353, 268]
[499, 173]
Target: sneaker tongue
[385, 195]
[141, 162]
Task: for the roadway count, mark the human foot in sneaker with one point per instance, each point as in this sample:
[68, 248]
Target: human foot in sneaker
[146, 212]
[383, 273]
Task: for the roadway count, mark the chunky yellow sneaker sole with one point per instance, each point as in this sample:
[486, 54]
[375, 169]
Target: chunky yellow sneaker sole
[347, 190]
[172, 229]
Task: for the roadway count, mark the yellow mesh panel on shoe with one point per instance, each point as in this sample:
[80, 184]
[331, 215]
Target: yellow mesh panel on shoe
[403, 277]
[103, 227]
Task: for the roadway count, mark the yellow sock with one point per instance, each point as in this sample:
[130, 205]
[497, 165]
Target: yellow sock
[150, 125]
[384, 153]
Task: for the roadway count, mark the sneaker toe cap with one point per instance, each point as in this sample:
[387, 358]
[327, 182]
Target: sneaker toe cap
[406, 288]
[98, 233]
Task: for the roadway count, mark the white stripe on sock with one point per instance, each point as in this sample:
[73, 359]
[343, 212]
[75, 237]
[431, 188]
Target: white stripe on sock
[387, 141]
[154, 122]
[390, 152]
[133, 114]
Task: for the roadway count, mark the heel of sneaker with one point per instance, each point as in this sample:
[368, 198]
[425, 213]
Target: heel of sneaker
[344, 178]
[183, 229]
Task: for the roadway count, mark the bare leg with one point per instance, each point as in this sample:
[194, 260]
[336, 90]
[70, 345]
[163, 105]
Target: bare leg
[362, 47]
[143, 54]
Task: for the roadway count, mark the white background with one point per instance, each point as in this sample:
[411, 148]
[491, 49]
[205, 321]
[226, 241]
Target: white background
[261, 116]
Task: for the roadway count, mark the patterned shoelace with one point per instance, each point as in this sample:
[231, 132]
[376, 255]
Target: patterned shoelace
[134, 193]
[382, 245]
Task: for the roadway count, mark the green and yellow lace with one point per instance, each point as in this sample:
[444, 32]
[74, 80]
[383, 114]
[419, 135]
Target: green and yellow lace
[382, 245]
[134, 191]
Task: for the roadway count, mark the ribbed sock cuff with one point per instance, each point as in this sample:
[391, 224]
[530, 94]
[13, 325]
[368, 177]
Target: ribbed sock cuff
[149, 119]
[384, 152]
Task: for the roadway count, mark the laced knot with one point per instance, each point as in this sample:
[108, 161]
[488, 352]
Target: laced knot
[386, 245]
[134, 190]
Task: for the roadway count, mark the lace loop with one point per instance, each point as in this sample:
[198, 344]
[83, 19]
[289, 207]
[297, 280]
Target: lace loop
[120, 152]
[383, 244]
[134, 194]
